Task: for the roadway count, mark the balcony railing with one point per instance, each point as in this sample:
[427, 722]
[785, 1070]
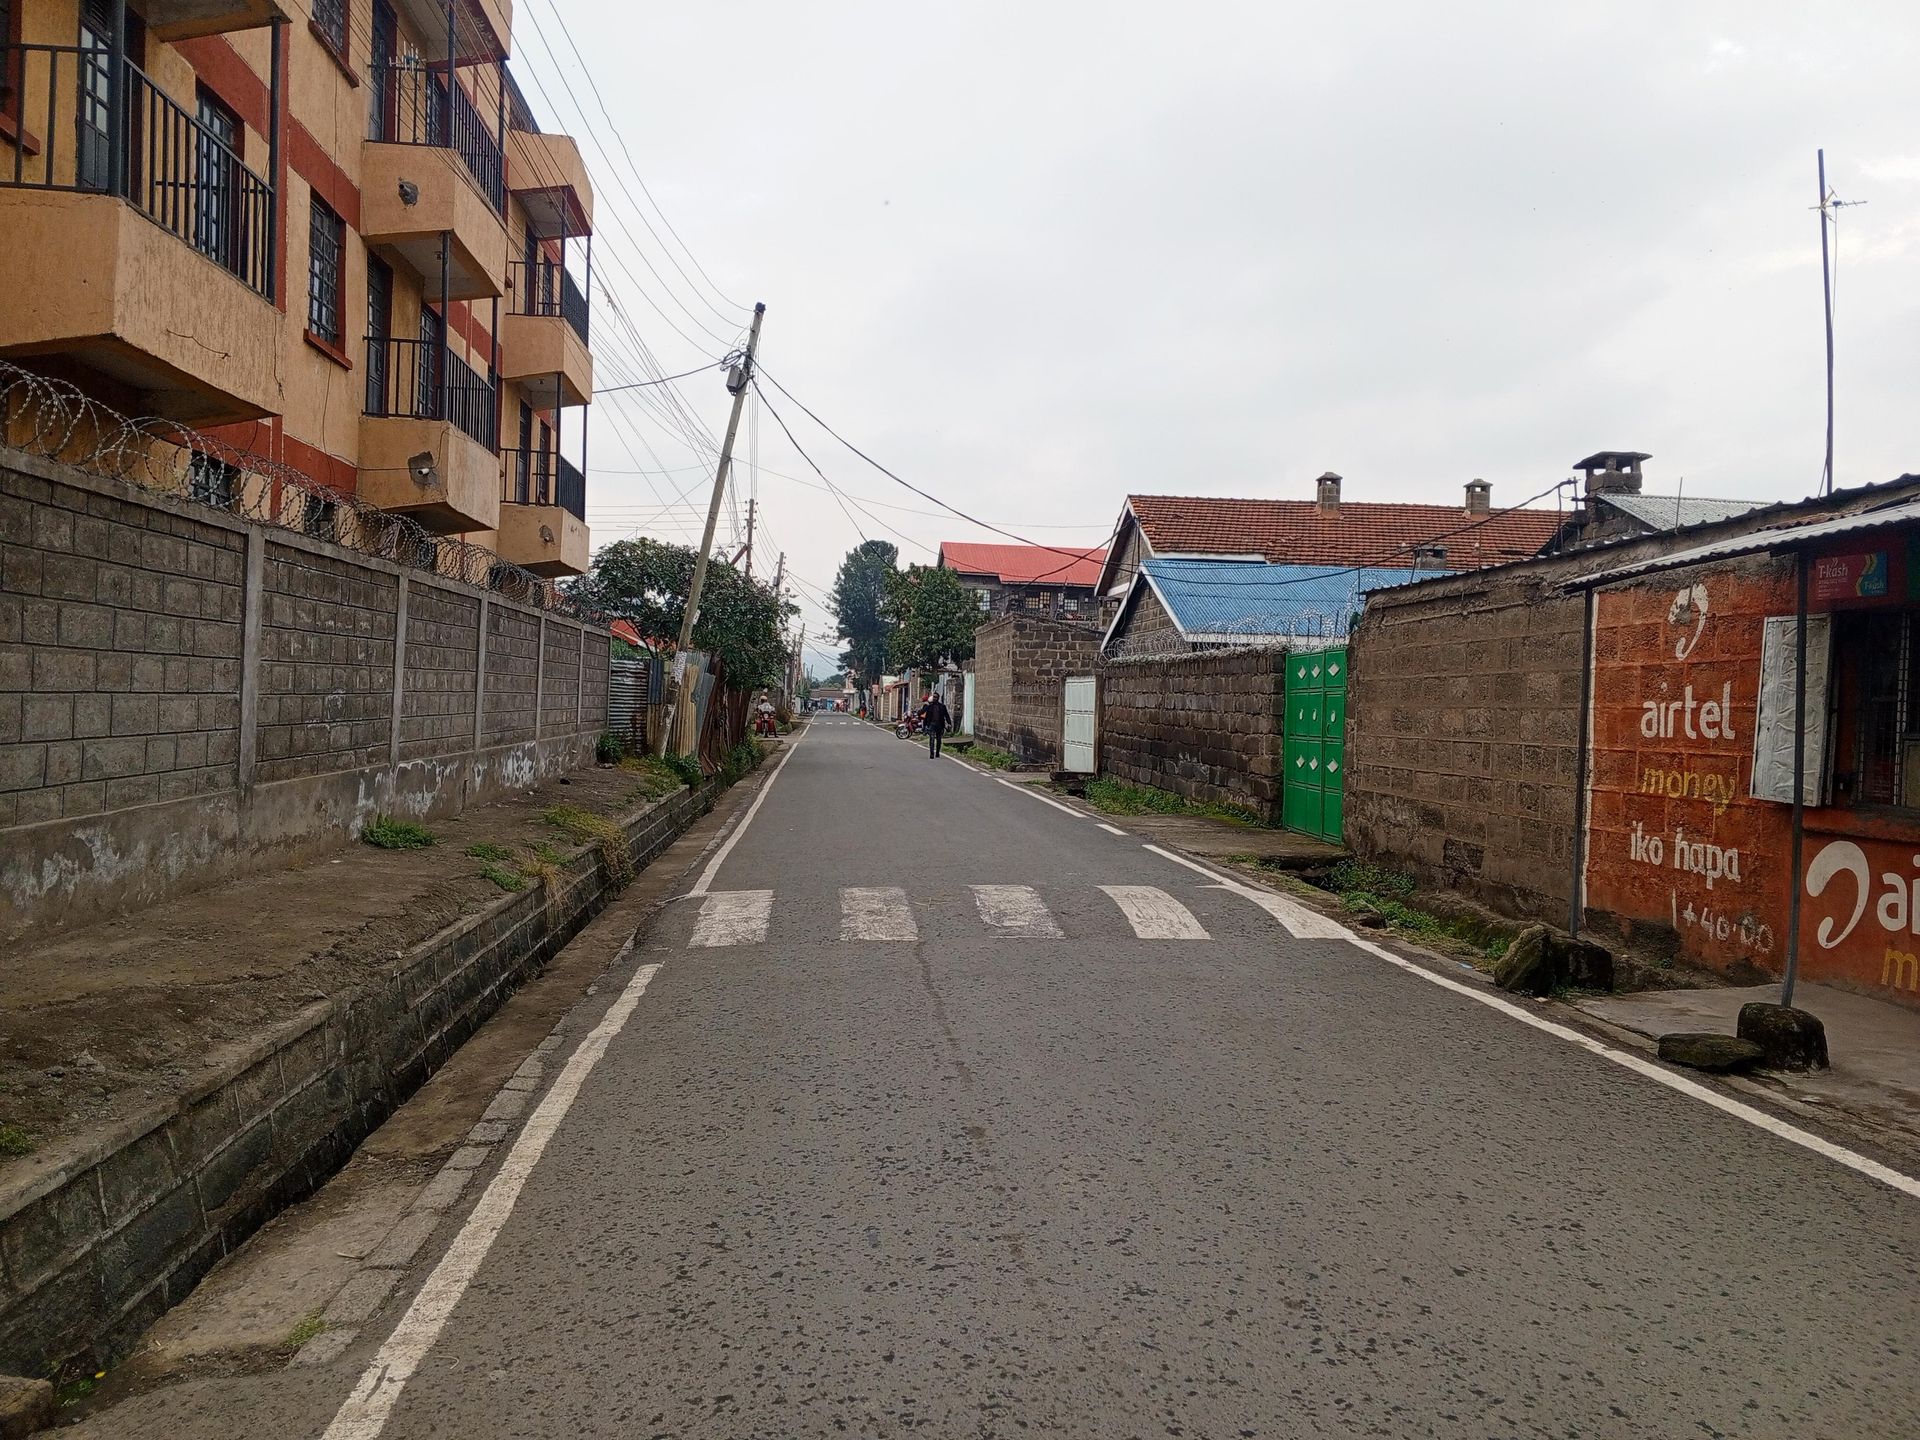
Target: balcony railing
[419, 380]
[156, 156]
[410, 107]
[545, 287]
[540, 477]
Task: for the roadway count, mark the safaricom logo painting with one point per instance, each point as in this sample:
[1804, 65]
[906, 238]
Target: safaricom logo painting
[1843, 868]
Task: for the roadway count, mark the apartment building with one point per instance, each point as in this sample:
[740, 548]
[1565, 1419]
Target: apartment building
[334, 236]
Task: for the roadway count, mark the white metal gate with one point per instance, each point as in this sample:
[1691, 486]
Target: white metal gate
[1078, 733]
[966, 704]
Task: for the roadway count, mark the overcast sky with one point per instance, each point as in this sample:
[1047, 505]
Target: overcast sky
[1034, 256]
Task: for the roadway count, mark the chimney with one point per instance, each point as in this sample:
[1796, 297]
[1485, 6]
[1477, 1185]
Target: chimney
[1612, 471]
[1329, 499]
[1479, 497]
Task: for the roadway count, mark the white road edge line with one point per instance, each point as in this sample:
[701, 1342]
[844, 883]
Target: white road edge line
[1029, 790]
[1111, 829]
[720, 855]
[364, 1413]
[1640, 1065]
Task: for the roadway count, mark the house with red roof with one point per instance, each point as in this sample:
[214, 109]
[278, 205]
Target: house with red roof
[1323, 531]
[1055, 581]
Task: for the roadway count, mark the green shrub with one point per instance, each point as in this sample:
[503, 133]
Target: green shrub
[15, 1141]
[391, 834]
[487, 851]
[508, 880]
[609, 749]
[741, 761]
[686, 767]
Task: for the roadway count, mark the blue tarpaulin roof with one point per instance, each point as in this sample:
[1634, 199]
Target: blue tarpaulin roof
[1227, 599]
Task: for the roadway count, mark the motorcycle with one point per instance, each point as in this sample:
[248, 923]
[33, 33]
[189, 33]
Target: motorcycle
[907, 728]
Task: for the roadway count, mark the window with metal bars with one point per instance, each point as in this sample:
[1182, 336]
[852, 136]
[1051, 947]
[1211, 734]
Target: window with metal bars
[212, 481]
[326, 272]
[1878, 664]
[330, 19]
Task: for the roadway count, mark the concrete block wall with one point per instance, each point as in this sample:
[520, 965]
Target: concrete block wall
[326, 664]
[1206, 726]
[1020, 665]
[1463, 738]
[120, 638]
[185, 696]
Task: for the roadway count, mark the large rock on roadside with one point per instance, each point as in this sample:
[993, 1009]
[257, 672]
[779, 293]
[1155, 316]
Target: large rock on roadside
[1542, 960]
[25, 1406]
[1789, 1039]
[1707, 1050]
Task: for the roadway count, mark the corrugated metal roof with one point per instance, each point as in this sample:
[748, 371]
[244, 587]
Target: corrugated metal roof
[1217, 599]
[1676, 512]
[1785, 537]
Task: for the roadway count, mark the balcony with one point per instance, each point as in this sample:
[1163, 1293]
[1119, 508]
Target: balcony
[543, 336]
[172, 20]
[479, 28]
[140, 249]
[429, 439]
[549, 179]
[543, 525]
[432, 177]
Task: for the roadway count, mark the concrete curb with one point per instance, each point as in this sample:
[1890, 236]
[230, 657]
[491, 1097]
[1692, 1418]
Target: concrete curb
[100, 1236]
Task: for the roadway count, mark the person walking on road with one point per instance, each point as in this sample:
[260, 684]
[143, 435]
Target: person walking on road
[934, 716]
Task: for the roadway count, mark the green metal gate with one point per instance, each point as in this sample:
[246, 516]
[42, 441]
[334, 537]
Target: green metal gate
[1314, 747]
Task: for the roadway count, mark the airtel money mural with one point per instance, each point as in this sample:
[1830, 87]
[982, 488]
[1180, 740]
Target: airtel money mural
[1690, 814]
[1674, 840]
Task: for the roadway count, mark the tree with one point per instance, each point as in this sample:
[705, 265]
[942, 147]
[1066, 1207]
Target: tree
[933, 615]
[646, 582]
[859, 606]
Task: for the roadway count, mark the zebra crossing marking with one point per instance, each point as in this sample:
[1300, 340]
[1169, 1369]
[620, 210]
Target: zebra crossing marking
[1154, 914]
[1015, 909]
[876, 912]
[733, 917]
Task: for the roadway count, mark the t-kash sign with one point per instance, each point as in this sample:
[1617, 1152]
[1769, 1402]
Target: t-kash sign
[1675, 840]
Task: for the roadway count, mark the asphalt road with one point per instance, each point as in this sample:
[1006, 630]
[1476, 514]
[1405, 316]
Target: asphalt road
[1020, 1171]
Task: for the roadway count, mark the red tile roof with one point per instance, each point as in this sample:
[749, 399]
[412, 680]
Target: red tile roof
[1025, 564]
[1298, 532]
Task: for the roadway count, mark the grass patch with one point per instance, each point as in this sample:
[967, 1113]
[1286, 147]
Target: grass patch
[507, 879]
[1116, 797]
[657, 777]
[993, 759]
[305, 1331]
[742, 761]
[14, 1141]
[486, 850]
[584, 827]
[390, 834]
[1365, 878]
[547, 851]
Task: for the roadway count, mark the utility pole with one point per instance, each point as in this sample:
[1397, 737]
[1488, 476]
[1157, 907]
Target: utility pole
[739, 381]
[1826, 297]
[752, 504]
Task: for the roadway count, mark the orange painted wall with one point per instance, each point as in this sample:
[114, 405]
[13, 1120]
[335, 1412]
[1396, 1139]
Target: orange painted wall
[1675, 843]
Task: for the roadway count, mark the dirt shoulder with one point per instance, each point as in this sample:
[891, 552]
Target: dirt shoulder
[99, 1022]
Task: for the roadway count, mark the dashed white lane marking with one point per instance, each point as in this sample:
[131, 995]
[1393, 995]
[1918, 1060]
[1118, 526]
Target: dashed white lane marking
[876, 912]
[1860, 1164]
[1029, 790]
[1016, 910]
[733, 917]
[1300, 922]
[1154, 914]
[1111, 829]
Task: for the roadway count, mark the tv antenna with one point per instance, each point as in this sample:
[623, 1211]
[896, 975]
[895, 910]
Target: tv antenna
[1830, 202]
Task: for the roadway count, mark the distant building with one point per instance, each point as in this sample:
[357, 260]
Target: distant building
[1323, 531]
[1042, 580]
[1614, 507]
